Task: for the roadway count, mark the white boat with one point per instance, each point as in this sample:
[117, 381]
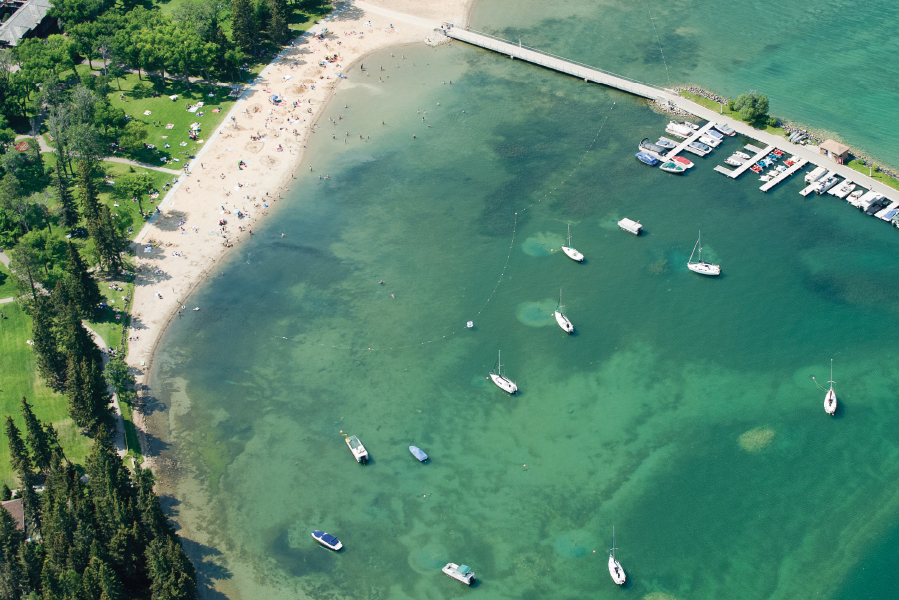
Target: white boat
[710, 141]
[815, 174]
[830, 398]
[842, 190]
[561, 319]
[733, 161]
[726, 130]
[461, 573]
[615, 569]
[501, 381]
[357, 449]
[854, 197]
[327, 540]
[742, 155]
[631, 226]
[766, 178]
[418, 453]
[681, 131]
[571, 252]
[703, 268]
[673, 167]
[663, 141]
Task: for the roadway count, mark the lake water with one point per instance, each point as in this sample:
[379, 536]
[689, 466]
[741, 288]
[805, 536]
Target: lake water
[682, 412]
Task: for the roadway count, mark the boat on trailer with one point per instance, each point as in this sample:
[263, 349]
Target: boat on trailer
[501, 381]
[571, 252]
[700, 266]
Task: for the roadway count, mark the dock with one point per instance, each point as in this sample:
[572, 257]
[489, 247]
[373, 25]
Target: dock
[760, 153]
[785, 175]
[696, 135]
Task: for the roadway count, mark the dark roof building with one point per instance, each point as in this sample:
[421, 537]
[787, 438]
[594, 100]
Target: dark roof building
[31, 16]
[15, 508]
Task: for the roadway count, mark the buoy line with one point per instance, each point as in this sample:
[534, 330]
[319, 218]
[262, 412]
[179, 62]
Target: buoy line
[505, 264]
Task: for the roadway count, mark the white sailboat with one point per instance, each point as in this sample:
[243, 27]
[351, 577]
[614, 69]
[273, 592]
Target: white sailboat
[615, 569]
[501, 381]
[703, 268]
[561, 319]
[830, 399]
[571, 252]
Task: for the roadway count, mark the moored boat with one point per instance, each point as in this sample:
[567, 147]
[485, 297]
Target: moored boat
[725, 129]
[684, 161]
[561, 319]
[631, 226]
[501, 381]
[666, 143]
[461, 573]
[571, 252]
[327, 540]
[673, 167]
[678, 130]
[646, 157]
[702, 267]
[709, 141]
[357, 449]
[742, 155]
[830, 397]
[615, 569]
[733, 161]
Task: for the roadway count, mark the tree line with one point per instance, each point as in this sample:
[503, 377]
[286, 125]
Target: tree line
[105, 538]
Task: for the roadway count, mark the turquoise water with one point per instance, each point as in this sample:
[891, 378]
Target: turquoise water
[829, 65]
[682, 412]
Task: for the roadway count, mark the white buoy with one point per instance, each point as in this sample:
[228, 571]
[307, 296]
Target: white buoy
[470, 324]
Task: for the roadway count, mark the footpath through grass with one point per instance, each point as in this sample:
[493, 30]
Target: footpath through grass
[18, 378]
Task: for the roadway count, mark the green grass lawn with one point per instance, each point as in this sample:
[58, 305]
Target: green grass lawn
[883, 178]
[18, 378]
[721, 109]
[126, 212]
[7, 283]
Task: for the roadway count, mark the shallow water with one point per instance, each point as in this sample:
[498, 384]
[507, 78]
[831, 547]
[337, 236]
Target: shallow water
[682, 411]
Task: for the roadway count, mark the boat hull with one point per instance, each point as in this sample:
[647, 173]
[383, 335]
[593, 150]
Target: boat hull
[616, 571]
[504, 383]
[704, 268]
[564, 323]
[328, 541]
[450, 570]
[573, 254]
[418, 453]
[830, 402]
[684, 161]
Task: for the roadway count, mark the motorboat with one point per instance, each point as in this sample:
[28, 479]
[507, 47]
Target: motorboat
[701, 267]
[710, 141]
[690, 125]
[501, 381]
[646, 157]
[673, 167]
[666, 143]
[825, 185]
[631, 226]
[842, 190]
[854, 197]
[766, 177]
[877, 206]
[733, 161]
[815, 175]
[755, 169]
[684, 161]
[461, 573]
[699, 146]
[327, 540]
[561, 319]
[647, 146]
[742, 155]
[868, 199]
[695, 150]
[681, 131]
[418, 453]
[714, 134]
[357, 449]
[571, 252]
[615, 569]
[725, 129]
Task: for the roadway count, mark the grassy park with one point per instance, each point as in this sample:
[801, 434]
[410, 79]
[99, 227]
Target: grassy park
[721, 109]
[7, 284]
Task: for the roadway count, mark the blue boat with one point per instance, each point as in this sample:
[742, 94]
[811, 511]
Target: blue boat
[647, 158]
[418, 453]
[327, 540]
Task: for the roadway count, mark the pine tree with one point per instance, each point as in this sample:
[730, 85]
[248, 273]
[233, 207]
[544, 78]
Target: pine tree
[68, 210]
[83, 288]
[278, 31]
[74, 339]
[41, 452]
[109, 240]
[172, 576]
[88, 398]
[243, 25]
[31, 505]
[18, 451]
[87, 193]
[51, 362]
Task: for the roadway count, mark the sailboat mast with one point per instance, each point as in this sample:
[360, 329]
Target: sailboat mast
[831, 382]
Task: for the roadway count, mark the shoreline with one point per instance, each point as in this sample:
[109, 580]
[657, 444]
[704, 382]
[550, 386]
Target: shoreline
[296, 76]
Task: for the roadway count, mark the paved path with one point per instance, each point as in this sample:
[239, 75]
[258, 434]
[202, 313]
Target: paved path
[117, 159]
[119, 438]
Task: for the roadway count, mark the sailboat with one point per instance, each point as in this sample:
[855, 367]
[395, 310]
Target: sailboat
[571, 252]
[615, 569]
[830, 399]
[503, 382]
[703, 268]
[561, 319]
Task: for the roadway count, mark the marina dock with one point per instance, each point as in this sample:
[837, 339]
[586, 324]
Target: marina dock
[696, 135]
[785, 175]
[759, 155]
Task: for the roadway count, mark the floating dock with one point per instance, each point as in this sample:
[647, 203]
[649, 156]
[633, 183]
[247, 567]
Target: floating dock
[760, 153]
[785, 175]
[696, 135]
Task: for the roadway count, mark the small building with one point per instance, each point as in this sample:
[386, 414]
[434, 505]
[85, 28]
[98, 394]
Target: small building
[15, 508]
[835, 151]
[29, 19]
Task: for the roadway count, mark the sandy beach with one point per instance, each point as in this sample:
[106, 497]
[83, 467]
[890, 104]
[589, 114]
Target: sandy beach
[217, 204]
